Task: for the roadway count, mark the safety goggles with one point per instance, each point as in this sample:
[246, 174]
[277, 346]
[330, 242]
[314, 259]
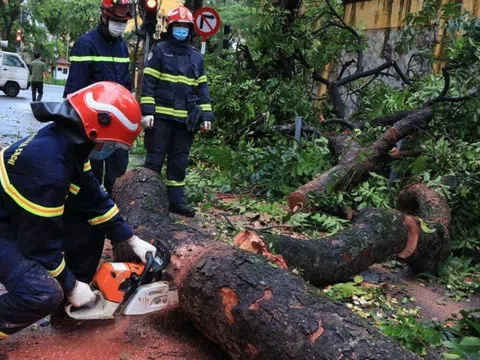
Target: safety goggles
[122, 9]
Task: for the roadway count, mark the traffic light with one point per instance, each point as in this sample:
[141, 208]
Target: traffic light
[149, 9]
[19, 37]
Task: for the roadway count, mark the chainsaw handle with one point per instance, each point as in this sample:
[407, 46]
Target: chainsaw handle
[68, 307]
[148, 267]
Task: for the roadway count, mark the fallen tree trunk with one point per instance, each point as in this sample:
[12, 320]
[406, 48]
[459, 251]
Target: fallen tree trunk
[238, 300]
[375, 235]
[355, 164]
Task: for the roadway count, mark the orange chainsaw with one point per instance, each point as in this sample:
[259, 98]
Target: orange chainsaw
[129, 289]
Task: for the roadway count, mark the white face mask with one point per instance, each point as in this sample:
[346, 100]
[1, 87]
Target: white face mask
[116, 28]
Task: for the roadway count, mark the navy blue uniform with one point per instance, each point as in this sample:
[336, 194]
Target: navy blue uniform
[95, 57]
[44, 180]
[174, 78]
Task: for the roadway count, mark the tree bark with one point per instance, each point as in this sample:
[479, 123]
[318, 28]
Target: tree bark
[375, 235]
[356, 163]
[241, 302]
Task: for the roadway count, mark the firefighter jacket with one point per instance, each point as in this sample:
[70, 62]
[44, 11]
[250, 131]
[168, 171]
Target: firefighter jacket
[174, 81]
[42, 177]
[95, 57]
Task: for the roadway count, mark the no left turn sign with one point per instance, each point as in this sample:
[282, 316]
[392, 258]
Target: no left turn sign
[206, 22]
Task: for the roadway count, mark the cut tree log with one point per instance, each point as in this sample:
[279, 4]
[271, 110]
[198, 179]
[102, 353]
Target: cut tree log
[355, 164]
[422, 240]
[240, 301]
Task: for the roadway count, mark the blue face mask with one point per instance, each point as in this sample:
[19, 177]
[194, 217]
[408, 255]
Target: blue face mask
[106, 151]
[180, 33]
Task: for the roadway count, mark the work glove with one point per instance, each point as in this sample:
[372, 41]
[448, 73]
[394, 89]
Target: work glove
[147, 121]
[207, 125]
[81, 295]
[141, 247]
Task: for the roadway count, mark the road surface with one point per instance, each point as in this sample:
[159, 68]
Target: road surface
[16, 119]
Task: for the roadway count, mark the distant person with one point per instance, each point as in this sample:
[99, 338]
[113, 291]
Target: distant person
[39, 72]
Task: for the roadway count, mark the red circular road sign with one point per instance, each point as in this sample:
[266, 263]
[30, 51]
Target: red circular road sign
[206, 22]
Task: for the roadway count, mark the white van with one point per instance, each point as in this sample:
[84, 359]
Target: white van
[14, 73]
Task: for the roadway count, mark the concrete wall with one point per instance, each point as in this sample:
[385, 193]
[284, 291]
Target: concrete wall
[382, 46]
[382, 21]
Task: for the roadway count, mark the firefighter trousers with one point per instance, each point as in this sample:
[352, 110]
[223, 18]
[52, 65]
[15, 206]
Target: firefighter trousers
[32, 292]
[171, 140]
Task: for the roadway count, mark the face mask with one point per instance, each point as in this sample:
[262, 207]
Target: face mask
[180, 33]
[116, 28]
[106, 151]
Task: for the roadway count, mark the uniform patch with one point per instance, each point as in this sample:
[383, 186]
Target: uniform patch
[150, 56]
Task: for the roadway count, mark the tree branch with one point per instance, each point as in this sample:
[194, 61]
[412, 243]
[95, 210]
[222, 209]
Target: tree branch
[345, 26]
[316, 76]
[343, 122]
[401, 74]
[440, 99]
[344, 67]
[363, 74]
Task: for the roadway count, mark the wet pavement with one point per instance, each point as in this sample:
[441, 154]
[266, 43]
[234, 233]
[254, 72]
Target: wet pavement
[16, 119]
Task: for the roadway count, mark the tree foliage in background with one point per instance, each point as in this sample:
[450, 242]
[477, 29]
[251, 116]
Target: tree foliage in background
[67, 19]
[10, 12]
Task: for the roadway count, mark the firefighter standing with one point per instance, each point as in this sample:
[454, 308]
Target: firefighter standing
[46, 178]
[175, 100]
[102, 55]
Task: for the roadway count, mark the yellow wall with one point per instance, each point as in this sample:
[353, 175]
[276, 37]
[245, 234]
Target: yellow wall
[383, 14]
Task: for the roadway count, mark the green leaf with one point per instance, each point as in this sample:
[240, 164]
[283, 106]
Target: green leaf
[451, 356]
[425, 227]
[358, 279]
[475, 325]
[470, 344]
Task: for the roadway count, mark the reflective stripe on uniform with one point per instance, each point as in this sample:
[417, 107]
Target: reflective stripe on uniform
[21, 201]
[171, 111]
[206, 107]
[174, 78]
[147, 100]
[3, 336]
[105, 217]
[58, 270]
[99, 59]
[74, 189]
[174, 183]
[87, 166]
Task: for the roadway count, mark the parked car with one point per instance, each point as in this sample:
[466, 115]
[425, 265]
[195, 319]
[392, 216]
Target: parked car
[14, 73]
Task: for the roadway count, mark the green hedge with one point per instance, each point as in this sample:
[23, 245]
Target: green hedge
[51, 81]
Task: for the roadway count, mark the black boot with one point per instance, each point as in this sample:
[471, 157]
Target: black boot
[182, 210]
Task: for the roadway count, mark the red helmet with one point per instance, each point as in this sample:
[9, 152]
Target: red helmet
[180, 14]
[109, 112]
[120, 10]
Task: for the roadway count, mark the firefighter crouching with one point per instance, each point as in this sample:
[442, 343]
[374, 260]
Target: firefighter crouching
[175, 103]
[44, 179]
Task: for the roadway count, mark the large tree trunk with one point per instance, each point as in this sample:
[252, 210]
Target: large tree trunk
[238, 300]
[375, 235]
[355, 163]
